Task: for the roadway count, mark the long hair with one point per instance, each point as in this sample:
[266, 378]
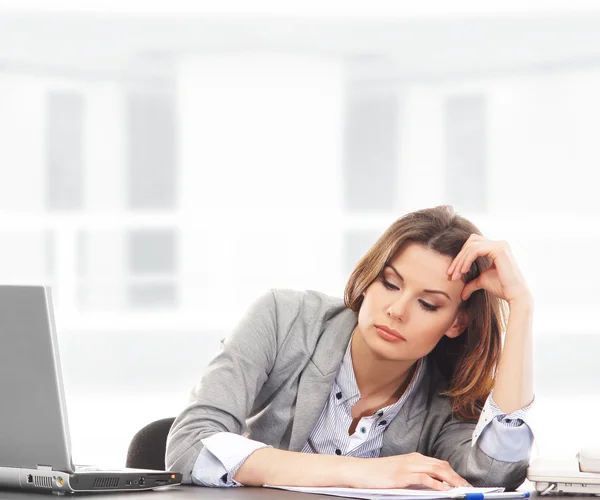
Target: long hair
[468, 361]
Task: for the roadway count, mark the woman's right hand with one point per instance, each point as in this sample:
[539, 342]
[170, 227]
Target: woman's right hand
[402, 470]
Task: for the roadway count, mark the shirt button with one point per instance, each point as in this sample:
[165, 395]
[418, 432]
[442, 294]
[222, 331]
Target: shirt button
[338, 452]
[363, 429]
[339, 395]
[224, 478]
[383, 422]
[380, 414]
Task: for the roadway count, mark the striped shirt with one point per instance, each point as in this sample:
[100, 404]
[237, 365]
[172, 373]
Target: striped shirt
[330, 435]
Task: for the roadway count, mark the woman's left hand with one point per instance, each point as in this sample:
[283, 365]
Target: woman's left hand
[502, 279]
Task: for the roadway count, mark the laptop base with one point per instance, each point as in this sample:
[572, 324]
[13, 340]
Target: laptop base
[86, 481]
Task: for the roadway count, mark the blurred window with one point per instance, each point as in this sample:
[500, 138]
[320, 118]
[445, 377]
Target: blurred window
[64, 131]
[466, 152]
[152, 268]
[370, 158]
[151, 173]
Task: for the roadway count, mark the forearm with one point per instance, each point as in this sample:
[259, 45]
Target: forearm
[514, 379]
[279, 467]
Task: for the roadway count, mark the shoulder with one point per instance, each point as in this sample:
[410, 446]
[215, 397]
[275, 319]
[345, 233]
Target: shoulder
[308, 313]
[308, 307]
[284, 307]
[312, 325]
[309, 303]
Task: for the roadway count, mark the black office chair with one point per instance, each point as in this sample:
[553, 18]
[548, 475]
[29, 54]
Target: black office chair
[147, 448]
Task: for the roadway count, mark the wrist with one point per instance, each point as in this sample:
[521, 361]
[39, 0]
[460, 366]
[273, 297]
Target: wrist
[253, 471]
[523, 302]
[348, 471]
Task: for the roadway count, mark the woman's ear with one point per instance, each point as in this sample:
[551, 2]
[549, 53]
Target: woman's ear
[461, 321]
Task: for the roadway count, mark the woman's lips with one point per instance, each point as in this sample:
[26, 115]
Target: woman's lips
[389, 333]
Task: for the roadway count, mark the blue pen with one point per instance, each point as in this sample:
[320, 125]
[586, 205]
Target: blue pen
[490, 496]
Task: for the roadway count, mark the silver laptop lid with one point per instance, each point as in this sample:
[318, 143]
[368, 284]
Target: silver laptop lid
[34, 428]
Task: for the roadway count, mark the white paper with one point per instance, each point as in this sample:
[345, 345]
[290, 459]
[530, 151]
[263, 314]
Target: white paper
[413, 493]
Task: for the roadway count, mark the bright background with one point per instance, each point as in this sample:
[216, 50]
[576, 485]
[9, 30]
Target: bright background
[163, 163]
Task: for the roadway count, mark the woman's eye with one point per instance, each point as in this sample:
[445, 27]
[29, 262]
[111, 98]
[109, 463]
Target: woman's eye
[389, 285]
[424, 305]
[427, 306]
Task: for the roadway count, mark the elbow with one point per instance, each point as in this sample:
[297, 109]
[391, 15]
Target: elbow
[508, 475]
[516, 478]
[180, 457]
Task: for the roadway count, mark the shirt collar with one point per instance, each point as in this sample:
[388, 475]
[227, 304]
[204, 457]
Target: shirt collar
[345, 383]
[345, 380]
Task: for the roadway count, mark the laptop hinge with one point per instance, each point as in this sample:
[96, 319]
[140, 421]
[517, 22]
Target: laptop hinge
[44, 467]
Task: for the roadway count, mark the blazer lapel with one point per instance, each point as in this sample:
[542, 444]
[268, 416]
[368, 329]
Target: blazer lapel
[318, 376]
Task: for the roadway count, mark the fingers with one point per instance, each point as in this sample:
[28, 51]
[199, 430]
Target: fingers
[457, 264]
[466, 257]
[426, 480]
[469, 259]
[469, 288]
[474, 238]
[439, 470]
[474, 247]
[464, 264]
[443, 472]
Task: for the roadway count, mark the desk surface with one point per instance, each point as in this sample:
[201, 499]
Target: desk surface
[174, 492]
[197, 492]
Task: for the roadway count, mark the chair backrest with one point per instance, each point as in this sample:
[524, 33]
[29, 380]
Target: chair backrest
[148, 446]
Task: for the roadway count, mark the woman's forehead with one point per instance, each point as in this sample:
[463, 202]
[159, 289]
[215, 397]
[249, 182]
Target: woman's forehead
[416, 254]
[425, 268]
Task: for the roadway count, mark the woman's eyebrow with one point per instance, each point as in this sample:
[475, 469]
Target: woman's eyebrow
[426, 290]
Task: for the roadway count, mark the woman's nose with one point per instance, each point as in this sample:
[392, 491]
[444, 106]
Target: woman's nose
[397, 310]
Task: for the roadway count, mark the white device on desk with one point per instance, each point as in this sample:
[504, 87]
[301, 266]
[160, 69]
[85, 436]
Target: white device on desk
[580, 474]
[35, 443]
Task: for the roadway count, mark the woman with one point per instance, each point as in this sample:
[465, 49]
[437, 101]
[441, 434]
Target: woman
[390, 387]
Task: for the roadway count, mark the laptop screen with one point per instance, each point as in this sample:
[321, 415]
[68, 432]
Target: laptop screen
[34, 429]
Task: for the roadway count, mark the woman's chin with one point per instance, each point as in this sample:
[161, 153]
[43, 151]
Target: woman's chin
[385, 350]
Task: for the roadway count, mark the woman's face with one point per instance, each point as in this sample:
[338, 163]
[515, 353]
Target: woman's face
[411, 306]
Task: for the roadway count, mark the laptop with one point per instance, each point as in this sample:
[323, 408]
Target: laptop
[35, 445]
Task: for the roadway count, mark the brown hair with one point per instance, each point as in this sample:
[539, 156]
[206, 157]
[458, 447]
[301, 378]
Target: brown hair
[468, 361]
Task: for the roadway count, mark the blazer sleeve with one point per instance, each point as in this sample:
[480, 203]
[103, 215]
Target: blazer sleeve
[225, 395]
[454, 444]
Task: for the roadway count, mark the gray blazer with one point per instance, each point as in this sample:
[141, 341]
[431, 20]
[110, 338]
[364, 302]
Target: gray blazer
[272, 377]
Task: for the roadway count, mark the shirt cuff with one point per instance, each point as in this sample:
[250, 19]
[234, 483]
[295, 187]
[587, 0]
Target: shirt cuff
[222, 456]
[492, 412]
[506, 444]
[507, 438]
